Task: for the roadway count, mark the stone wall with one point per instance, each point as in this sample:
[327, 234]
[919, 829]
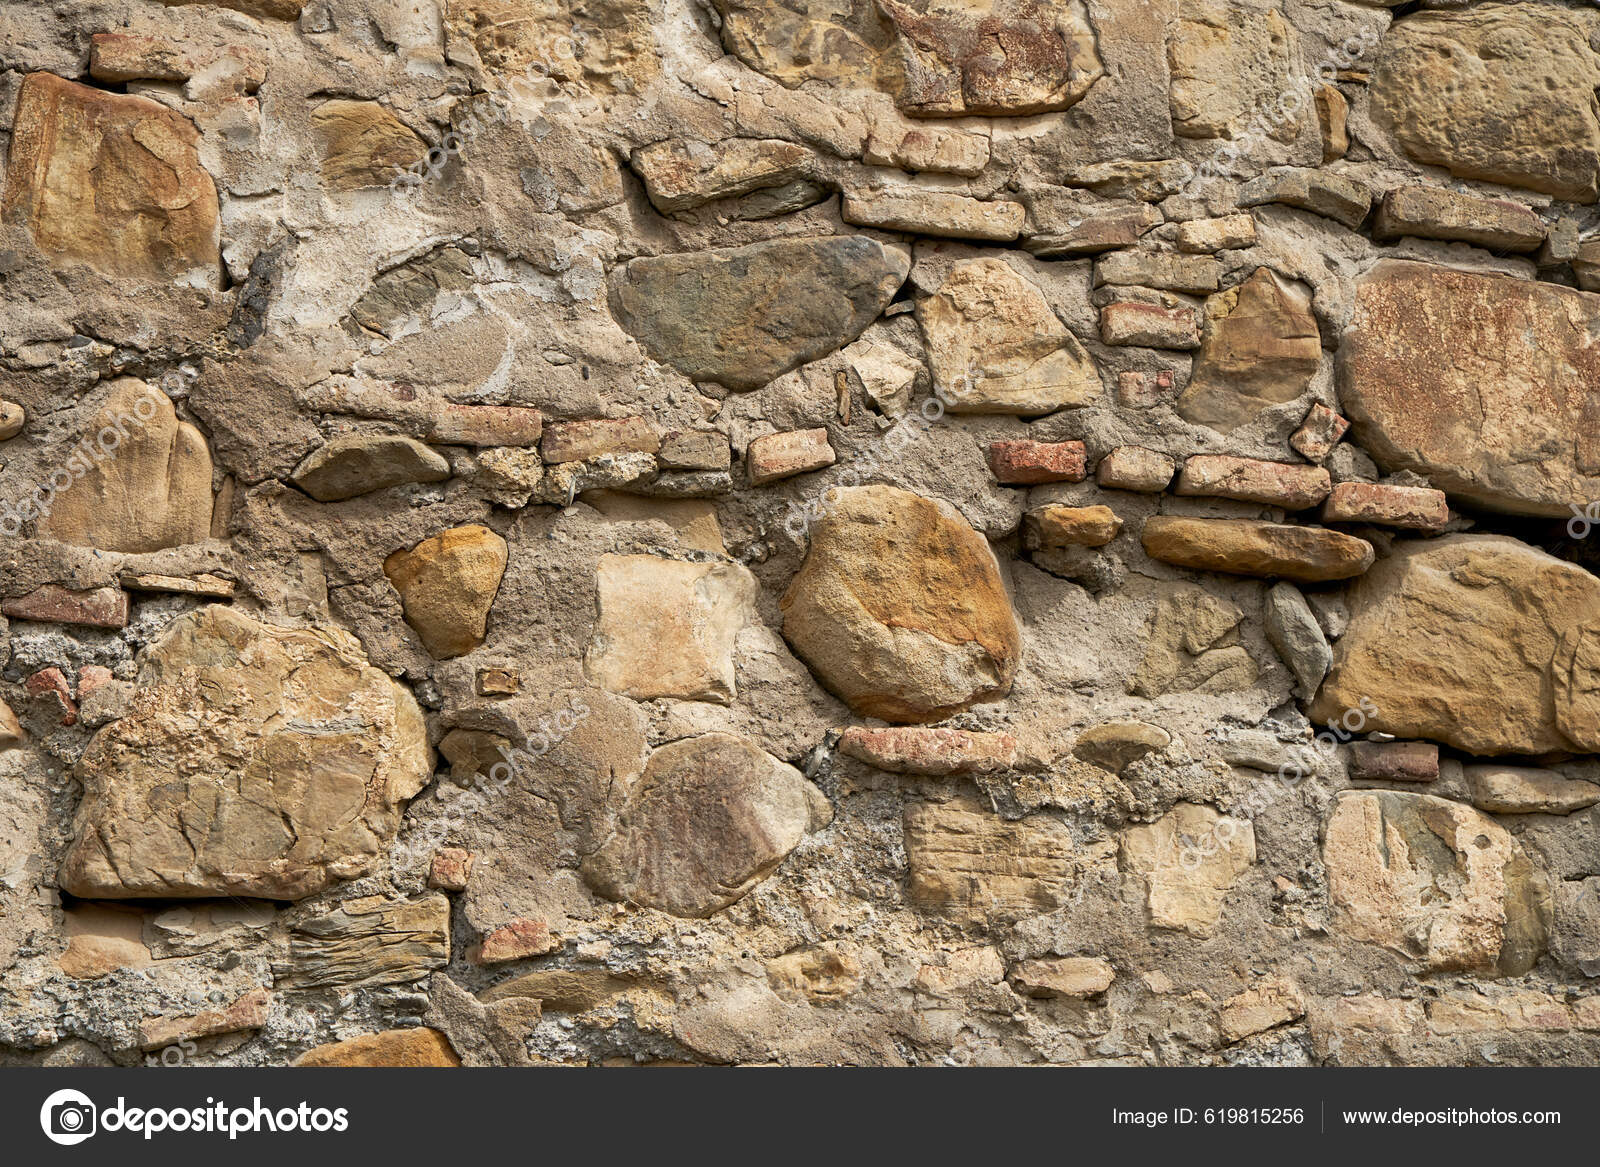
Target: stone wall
[843, 531]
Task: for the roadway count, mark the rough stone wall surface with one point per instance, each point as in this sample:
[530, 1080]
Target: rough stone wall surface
[878, 532]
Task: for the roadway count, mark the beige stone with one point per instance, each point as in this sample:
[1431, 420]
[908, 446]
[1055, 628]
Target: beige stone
[361, 463]
[773, 457]
[370, 940]
[1116, 745]
[968, 863]
[363, 144]
[393, 1048]
[1231, 65]
[919, 147]
[1062, 976]
[1168, 271]
[1523, 790]
[1431, 212]
[930, 212]
[1136, 468]
[667, 629]
[1273, 1002]
[680, 174]
[1249, 547]
[900, 609]
[1203, 236]
[247, 1012]
[994, 345]
[1289, 485]
[1435, 881]
[934, 752]
[1322, 192]
[447, 585]
[1190, 858]
[101, 939]
[1193, 647]
[254, 761]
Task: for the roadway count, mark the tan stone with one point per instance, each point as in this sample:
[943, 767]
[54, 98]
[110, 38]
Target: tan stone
[563, 990]
[773, 457]
[1435, 881]
[447, 584]
[248, 1012]
[363, 144]
[1322, 192]
[815, 976]
[145, 491]
[1190, 858]
[1193, 647]
[1062, 976]
[1168, 271]
[930, 212]
[393, 1048]
[900, 609]
[612, 51]
[1431, 212]
[1149, 326]
[667, 629]
[361, 463]
[1500, 93]
[1507, 422]
[578, 441]
[1281, 484]
[367, 941]
[1260, 348]
[919, 147]
[710, 818]
[969, 863]
[1249, 547]
[1063, 526]
[1203, 236]
[1116, 745]
[1333, 121]
[1131, 178]
[838, 42]
[1060, 224]
[281, 9]
[680, 174]
[112, 181]
[994, 345]
[12, 418]
[1231, 65]
[929, 751]
[101, 939]
[517, 940]
[1417, 507]
[1266, 1005]
[1522, 790]
[254, 761]
[1135, 468]
[1318, 434]
[1477, 641]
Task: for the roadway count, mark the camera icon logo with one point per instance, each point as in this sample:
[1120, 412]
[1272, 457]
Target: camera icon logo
[68, 1117]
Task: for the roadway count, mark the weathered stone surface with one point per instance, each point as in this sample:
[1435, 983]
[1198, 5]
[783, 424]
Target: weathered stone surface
[680, 174]
[1393, 761]
[517, 940]
[1063, 526]
[994, 345]
[1249, 547]
[578, 441]
[1522, 790]
[1135, 468]
[776, 456]
[97, 608]
[1132, 178]
[1060, 226]
[1333, 122]
[667, 629]
[900, 610]
[447, 585]
[248, 1012]
[213, 587]
[1137, 389]
[1585, 266]
[1477, 641]
[743, 315]
[1229, 63]
[1260, 348]
[146, 481]
[933, 752]
[1190, 859]
[1416, 507]
[1025, 462]
[1273, 1002]
[1500, 93]
[1116, 745]
[12, 418]
[255, 761]
[368, 941]
[393, 1048]
[363, 144]
[1281, 484]
[931, 212]
[281, 9]
[450, 869]
[1318, 434]
[1204, 236]
[1295, 634]
[968, 863]
[1435, 881]
[1062, 976]
[694, 450]
[1164, 270]
[362, 463]
[927, 147]
[1149, 326]
[1507, 423]
[10, 728]
[112, 181]
[888, 376]
[1431, 212]
[1332, 196]
[711, 817]
[102, 939]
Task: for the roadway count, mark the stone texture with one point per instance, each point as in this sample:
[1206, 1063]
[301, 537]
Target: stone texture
[1318, 434]
[361, 463]
[1506, 423]
[921, 147]
[112, 181]
[1248, 547]
[579, 441]
[667, 629]
[968, 863]
[393, 1048]
[900, 609]
[1116, 745]
[1522, 790]
[1204, 236]
[1168, 271]
[1024, 462]
[145, 482]
[929, 212]
[994, 345]
[680, 174]
[363, 144]
[368, 941]
[1393, 762]
[1135, 468]
[1281, 484]
[447, 584]
[1228, 62]
[778, 456]
[1418, 508]
[517, 940]
[1260, 348]
[1333, 122]
[711, 817]
[1063, 526]
[1435, 881]
[1476, 641]
[1431, 212]
[1189, 859]
[743, 315]
[1062, 976]
[255, 761]
[99, 608]
[1060, 224]
[1500, 94]
[1333, 196]
[248, 1012]
[1273, 1002]
[1149, 326]
[1295, 634]
[450, 869]
[929, 752]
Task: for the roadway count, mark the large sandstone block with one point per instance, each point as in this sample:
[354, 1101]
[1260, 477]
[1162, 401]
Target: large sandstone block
[900, 609]
[969, 863]
[253, 761]
[146, 481]
[711, 817]
[112, 181]
[1435, 881]
[1477, 641]
[741, 316]
[1231, 63]
[1511, 421]
[1500, 92]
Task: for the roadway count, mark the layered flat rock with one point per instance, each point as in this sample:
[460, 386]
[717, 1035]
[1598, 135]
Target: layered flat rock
[112, 181]
[1477, 641]
[145, 480]
[1252, 547]
[369, 940]
[929, 751]
[392, 1048]
[900, 609]
[1435, 881]
[362, 463]
[994, 345]
[1510, 422]
[1499, 93]
[447, 585]
[1431, 212]
[1525, 790]
[253, 761]
[741, 316]
[969, 863]
[709, 819]
[681, 174]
